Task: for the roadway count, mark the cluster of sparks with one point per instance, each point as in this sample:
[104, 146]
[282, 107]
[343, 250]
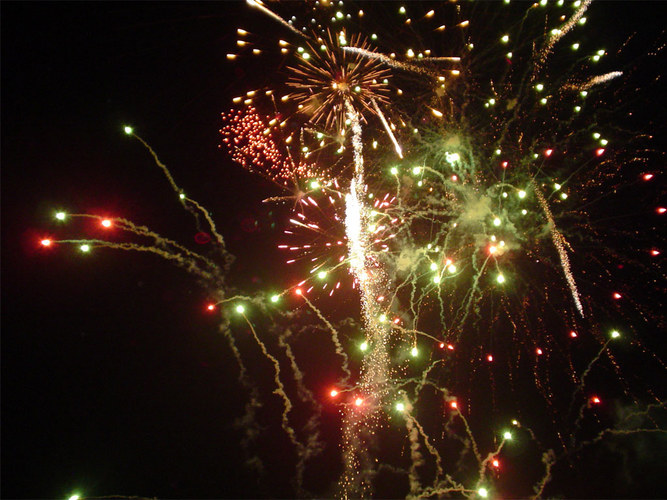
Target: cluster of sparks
[445, 205]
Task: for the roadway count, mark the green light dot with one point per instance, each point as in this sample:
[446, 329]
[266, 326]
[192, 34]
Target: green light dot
[522, 194]
[507, 435]
[275, 298]
[363, 346]
[240, 309]
[84, 248]
[181, 196]
[61, 215]
[393, 170]
[496, 222]
[500, 279]
[322, 274]
[314, 185]
[436, 279]
[400, 407]
[615, 334]
[128, 130]
[483, 492]
[434, 266]
[414, 352]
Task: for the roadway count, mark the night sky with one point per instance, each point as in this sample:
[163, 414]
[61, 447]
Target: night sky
[114, 379]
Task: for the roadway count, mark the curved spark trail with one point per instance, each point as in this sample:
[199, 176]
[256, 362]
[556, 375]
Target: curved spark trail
[559, 243]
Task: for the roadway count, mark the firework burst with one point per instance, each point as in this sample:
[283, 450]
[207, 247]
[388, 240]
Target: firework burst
[326, 78]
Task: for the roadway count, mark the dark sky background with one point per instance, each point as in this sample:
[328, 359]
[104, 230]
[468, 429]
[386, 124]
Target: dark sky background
[113, 379]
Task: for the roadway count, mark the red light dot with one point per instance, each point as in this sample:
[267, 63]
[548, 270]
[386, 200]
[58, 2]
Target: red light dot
[617, 295]
[548, 152]
[538, 351]
[46, 242]
[333, 393]
[496, 463]
[106, 223]
[442, 345]
[647, 177]
[595, 400]
[599, 151]
[358, 401]
[655, 252]
[661, 210]
[397, 321]
[505, 164]
[489, 358]
[573, 334]
[450, 347]
[454, 405]
[298, 291]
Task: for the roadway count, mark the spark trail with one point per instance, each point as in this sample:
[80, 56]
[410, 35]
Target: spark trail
[359, 423]
[559, 243]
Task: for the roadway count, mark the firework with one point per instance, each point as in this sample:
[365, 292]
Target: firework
[327, 79]
[474, 256]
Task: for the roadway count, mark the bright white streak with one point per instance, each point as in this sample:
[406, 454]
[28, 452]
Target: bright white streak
[558, 34]
[359, 423]
[597, 80]
[397, 146]
[440, 58]
[558, 240]
[270, 13]
[369, 54]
